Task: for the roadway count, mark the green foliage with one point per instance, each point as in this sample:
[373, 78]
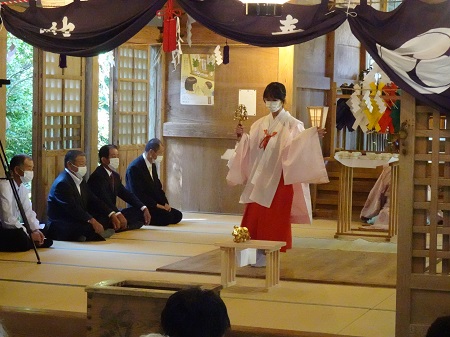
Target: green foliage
[19, 98]
[210, 66]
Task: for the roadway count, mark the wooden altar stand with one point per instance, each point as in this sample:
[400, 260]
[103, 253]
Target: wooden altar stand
[228, 260]
[344, 224]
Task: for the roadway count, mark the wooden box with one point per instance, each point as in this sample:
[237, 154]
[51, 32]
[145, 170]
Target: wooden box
[130, 308]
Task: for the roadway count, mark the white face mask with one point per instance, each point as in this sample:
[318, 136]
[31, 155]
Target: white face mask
[113, 163]
[27, 176]
[158, 159]
[274, 106]
[81, 171]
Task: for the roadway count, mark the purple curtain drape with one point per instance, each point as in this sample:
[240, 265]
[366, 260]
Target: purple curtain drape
[82, 28]
[412, 45]
[297, 23]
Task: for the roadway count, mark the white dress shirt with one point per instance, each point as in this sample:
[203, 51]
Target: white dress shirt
[9, 210]
[75, 179]
[149, 165]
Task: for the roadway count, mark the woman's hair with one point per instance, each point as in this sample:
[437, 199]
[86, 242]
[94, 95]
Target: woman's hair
[275, 90]
[189, 83]
[194, 312]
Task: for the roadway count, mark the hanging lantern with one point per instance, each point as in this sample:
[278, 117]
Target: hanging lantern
[226, 53]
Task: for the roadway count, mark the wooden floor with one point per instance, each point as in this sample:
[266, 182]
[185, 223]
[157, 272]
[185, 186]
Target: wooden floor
[59, 282]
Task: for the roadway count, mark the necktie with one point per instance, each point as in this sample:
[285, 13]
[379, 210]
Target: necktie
[111, 181]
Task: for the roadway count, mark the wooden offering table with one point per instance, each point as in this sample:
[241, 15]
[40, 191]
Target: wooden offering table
[344, 225]
[228, 259]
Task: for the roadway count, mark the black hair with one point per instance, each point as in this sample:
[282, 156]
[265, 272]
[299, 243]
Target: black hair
[153, 144]
[189, 83]
[104, 151]
[208, 84]
[275, 90]
[72, 155]
[440, 327]
[18, 160]
[194, 312]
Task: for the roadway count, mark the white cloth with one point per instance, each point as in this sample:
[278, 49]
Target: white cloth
[9, 210]
[379, 194]
[293, 150]
[153, 335]
[377, 206]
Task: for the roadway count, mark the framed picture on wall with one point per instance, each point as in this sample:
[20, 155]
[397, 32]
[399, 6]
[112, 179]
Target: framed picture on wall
[197, 79]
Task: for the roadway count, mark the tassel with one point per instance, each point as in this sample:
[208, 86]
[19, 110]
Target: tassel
[170, 26]
[226, 54]
[169, 35]
[62, 61]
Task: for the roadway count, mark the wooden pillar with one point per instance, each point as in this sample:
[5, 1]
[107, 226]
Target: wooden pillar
[91, 113]
[328, 142]
[286, 75]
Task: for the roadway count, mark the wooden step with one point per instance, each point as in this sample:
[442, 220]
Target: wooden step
[26, 322]
[327, 195]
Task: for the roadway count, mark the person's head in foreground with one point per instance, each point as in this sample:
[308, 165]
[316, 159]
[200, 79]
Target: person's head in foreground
[194, 312]
[440, 327]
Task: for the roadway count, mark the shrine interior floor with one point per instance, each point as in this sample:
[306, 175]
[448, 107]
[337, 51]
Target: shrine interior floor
[59, 282]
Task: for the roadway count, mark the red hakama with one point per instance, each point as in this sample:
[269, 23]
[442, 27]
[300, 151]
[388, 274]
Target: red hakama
[273, 223]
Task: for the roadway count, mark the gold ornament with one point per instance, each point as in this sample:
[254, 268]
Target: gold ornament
[240, 234]
[240, 113]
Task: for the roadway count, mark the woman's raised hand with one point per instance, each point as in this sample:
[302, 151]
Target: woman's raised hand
[321, 132]
[239, 131]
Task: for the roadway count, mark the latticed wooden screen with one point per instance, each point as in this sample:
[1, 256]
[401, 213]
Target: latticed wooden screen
[423, 278]
[431, 223]
[63, 103]
[133, 95]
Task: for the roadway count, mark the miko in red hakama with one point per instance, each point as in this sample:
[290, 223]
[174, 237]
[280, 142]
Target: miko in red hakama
[276, 161]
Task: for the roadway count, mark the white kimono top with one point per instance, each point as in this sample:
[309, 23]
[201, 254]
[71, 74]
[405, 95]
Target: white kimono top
[292, 150]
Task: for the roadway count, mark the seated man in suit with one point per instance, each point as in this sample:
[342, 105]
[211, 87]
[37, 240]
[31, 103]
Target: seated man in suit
[105, 183]
[13, 234]
[69, 201]
[142, 179]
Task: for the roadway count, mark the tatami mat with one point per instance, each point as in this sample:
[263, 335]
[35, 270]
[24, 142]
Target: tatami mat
[58, 283]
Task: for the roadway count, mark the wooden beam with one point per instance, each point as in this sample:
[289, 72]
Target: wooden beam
[149, 35]
[195, 130]
[310, 81]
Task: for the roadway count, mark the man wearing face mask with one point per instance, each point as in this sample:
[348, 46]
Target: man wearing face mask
[105, 183]
[13, 234]
[69, 202]
[275, 162]
[142, 179]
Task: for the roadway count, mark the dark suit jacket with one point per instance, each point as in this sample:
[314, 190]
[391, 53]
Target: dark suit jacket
[66, 208]
[99, 183]
[140, 182]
